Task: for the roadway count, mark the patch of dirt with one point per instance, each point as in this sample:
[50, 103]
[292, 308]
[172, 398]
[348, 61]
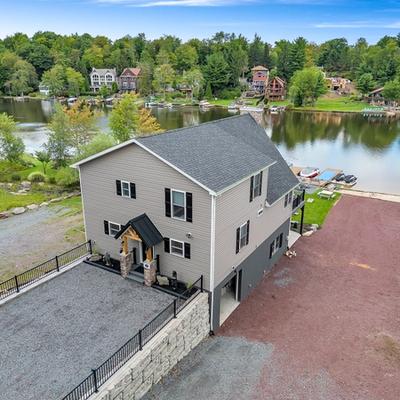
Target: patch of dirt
[388, 347]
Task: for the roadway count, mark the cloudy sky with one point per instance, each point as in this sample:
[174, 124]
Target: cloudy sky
[317, 20]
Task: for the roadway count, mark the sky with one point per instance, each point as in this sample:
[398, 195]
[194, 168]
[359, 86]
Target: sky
[316, 20]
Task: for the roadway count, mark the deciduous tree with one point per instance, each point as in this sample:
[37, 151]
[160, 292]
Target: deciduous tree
[124, 118]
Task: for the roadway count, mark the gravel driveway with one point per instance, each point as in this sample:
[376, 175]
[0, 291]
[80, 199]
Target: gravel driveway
[324, 325]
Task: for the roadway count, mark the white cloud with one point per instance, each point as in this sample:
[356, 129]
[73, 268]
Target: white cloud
[359, 24]
[175, 3]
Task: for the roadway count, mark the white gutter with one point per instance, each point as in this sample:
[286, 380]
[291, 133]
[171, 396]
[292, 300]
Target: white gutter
[212, 256]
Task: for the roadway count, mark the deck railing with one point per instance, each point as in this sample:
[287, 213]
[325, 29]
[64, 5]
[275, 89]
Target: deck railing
[55, 264]
[101, 374]
[298, 198]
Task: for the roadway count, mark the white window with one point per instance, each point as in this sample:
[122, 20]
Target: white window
[176, 247]
[113, 228]
[109, 78]
[95, 78]
[178, 202]
[243, 235]
[288, 198]
[257, 185]
[125, 189]
[276, 245]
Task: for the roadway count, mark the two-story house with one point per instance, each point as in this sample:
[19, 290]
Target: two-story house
[128, 81]
[212, 200]
[102, 77]
[275, 89]
[259, 78]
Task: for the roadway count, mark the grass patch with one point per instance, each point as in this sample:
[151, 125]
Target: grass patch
[341, 104]
[317, 211]
[75, 234]
[226, 102]
[71, 206]
[8, 200]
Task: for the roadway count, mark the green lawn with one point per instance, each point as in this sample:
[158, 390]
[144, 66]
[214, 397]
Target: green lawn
[73, 204]
[8, 200]
[317, 211]
[343, 104]
[226, 102]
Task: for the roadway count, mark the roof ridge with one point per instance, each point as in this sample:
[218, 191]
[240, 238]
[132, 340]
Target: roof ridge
[213, 122]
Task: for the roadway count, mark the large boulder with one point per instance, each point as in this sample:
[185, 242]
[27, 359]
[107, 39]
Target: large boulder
[32, 207]
[18, 210]
[25, 185]
[4, 214]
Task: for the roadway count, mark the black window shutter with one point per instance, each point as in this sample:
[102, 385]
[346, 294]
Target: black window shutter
[261, 176]
[167, 202]
[133, 190]
[187, 250]
[106, 229]
[280, 240]
[119, 191]
[189, 207]
[271, 249]
[248, 232]
[166, 245]
[237, 239]
[251, 188]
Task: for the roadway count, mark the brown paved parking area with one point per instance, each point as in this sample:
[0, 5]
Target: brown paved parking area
[332, 314]
[322, 326]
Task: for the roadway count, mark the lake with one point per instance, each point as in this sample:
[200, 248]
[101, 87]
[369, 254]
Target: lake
[367, 148]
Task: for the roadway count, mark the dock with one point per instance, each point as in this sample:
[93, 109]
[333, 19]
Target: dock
[323, 179]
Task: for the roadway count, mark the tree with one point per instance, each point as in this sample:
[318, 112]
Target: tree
[334, 55]
[186, 57]
[55, 80]
[216, 72]
[23, 79]
[194, 80]
[391, 91]
[236, 58]
[208, 95]
[82, 124]
[44, 158]
[297, 55]
[147, 123]
[11, 146]
[59, 137]
[282, 52]
[124, 118]
[104, 91]
[163, 77]
[100, 142]
[256, 52]
[365, 83]
[75, 82]
[307, 85]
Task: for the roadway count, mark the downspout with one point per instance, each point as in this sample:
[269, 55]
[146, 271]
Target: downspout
[83, 203]
[212, 258]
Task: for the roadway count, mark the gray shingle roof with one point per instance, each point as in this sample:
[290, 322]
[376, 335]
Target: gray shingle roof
[220, 153]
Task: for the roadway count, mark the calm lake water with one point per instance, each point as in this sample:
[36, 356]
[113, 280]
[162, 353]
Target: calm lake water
[367, 148]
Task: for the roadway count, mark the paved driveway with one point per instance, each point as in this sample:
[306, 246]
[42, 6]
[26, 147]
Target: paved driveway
[322, 326]
[52, 335]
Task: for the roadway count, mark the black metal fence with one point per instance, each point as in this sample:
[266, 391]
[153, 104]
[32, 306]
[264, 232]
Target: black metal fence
[18, 282]
[101, 374]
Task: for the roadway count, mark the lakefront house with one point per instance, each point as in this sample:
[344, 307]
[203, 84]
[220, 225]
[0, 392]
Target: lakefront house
[102, 77]
[259, 79]
[129, 79]
[213, 200]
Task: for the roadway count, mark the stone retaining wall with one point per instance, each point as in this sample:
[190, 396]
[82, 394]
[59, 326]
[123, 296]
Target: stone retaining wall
[159, 355]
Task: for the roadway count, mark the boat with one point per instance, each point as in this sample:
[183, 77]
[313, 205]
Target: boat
[204, 104]
[233, 107]
[71, 100]
[169, 105]
[309, 172]
[350, 179]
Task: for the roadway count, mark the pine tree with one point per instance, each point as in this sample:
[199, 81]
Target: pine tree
[208, 94]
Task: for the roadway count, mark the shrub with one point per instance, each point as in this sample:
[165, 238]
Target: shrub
[51, 180]
[230, 93]
[36, 177]
[67, 177]
[15, 177]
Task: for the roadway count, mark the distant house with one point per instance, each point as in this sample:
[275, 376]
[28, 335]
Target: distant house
[259, 79]
[339, 84]
[44, 89]
[128, 81]
[275, 89]
[102, 77]
[376, 97]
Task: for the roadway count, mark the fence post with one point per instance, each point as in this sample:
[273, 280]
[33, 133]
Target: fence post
[96, 389]
[57, 264]
[90, 246]
[175, 308]
[201, 284]
[140, 340]
[16, 283]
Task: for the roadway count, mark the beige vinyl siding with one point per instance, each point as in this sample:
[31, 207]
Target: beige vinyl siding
[151, 176]
[233, 208]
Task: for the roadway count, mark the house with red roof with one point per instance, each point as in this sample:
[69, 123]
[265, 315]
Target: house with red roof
[129, 79]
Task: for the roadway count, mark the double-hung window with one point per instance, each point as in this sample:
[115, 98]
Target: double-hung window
[126, 189]
[242, 236]
[288, 198]
[178, 203]
[275, 245]
[177, 247]
[256, 186]
[111, 228]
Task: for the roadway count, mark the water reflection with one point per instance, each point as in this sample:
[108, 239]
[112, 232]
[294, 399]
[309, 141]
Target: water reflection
[368, 148]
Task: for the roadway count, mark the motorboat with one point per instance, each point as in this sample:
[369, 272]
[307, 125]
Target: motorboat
[309, 172]
[350, 179]
[339, 177]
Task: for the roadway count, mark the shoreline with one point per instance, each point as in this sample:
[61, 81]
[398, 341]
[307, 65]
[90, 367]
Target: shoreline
[394, 198]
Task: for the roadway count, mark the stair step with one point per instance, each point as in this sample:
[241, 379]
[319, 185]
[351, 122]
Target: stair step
[136, 277]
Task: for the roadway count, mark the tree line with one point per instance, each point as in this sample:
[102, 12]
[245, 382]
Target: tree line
[211, 66]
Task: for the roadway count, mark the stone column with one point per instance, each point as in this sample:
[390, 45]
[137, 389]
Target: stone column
[150, 271]
[125, 260]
